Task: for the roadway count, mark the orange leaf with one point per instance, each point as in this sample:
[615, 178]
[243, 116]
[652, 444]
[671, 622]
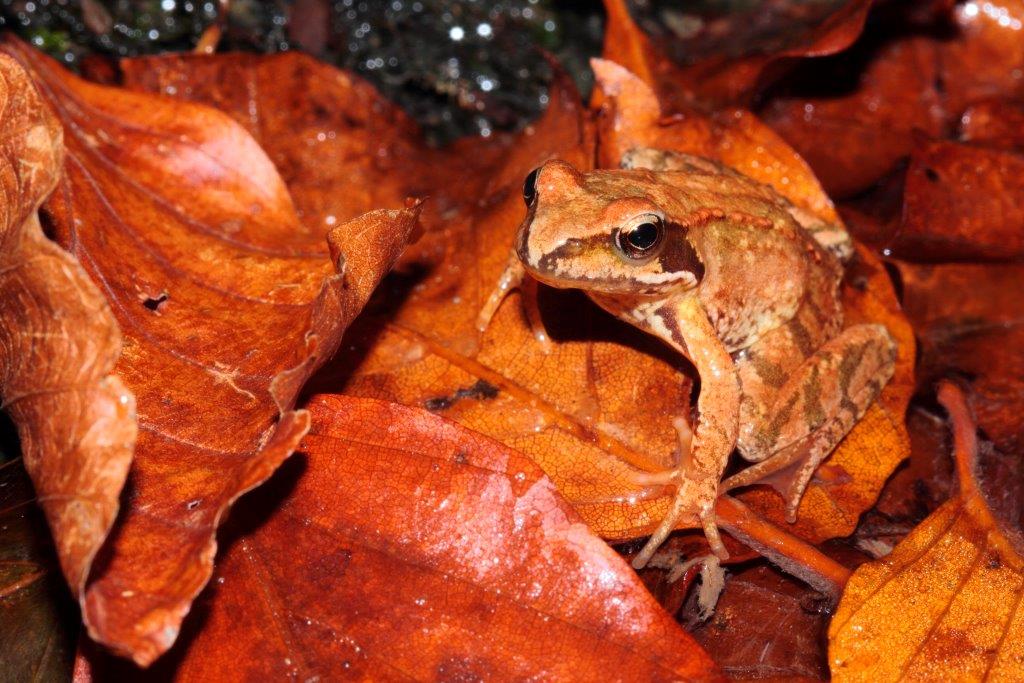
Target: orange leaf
[75, 418]
[947, 602]
[718, 80]
[339, 146]
[405, 546]
[963, 202]
[631, 117]
[853, 117]
[227, 304]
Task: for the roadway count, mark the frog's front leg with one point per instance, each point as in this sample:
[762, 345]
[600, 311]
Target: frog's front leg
[514, 277]
[685, 325]
[815, 409]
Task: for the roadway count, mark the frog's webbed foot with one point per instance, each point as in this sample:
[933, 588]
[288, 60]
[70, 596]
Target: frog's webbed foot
[684, 504]
[514, 277]
[789, 471]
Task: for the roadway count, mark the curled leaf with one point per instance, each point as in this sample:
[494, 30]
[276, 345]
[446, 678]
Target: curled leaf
[948, 599]
[227, 302]
[420, 550]
[75, 418]
[726, 72]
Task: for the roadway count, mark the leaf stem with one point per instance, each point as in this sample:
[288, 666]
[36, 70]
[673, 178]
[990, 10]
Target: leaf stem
[792, 555]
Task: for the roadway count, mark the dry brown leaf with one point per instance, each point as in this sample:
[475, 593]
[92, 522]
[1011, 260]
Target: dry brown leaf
[946, 604]
[766, 626]
[719, 80]
[852, 117]
[404, 546]
[75, 418]
[961, 202]
[227, 303]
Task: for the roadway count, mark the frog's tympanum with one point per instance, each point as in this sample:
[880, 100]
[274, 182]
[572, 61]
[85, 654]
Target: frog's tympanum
[738, 280]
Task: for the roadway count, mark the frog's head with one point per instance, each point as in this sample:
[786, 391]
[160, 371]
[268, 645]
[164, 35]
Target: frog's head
[603, 231]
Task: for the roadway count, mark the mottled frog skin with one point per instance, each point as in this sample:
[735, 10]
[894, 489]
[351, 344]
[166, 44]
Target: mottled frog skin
[739, 281]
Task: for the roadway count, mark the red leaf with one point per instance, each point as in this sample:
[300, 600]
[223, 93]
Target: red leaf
[418, 549]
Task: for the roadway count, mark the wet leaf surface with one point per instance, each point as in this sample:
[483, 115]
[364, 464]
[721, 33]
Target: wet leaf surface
[914, 127]
[449, 556]
[226, 302]
[767, 626]
[852, 116]
[961, 202]
[726, 59]
[946, 602]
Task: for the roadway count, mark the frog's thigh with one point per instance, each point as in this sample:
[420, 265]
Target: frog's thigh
[824, 397]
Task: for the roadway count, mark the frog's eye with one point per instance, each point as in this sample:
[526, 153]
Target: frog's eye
[530, 187]
[641, 239]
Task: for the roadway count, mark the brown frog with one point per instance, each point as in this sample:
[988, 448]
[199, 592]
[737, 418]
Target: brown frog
[741, 282]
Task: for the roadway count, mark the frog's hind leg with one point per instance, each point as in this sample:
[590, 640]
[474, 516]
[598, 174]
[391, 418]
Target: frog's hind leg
[814, 410]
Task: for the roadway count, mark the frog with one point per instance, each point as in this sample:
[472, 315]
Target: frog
[740, 281]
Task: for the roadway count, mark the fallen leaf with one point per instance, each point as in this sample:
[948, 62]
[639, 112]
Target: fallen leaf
[985, 56]
[340, 147]
[766, 626]
[961, 202]
[227, 304]
[420, 550]
[860, 127]
[720, 65]
[852, 116]
[994, 123]
[968, 318]
[75, 418]
[913, 492]
[40, 623]
[632, 116]
[946, 602]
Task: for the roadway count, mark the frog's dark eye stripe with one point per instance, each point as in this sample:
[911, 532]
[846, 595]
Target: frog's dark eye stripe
[530, 187]
[640, 240]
